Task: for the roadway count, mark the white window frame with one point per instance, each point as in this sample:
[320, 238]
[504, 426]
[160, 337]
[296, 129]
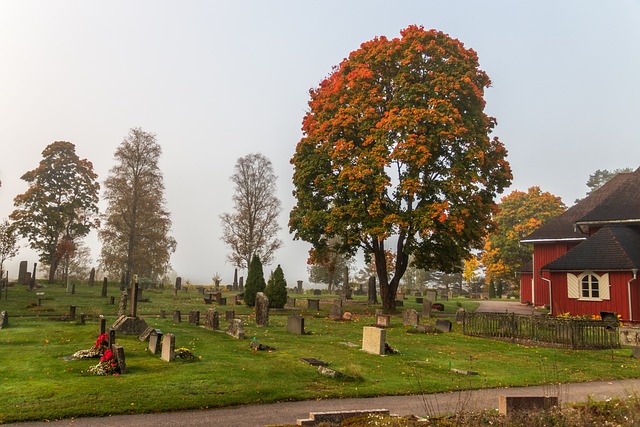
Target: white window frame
[574, 286]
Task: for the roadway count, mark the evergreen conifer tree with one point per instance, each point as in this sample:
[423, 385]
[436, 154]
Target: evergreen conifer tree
[499, 290]
[255, 281]
[492, 290]
[276, 289]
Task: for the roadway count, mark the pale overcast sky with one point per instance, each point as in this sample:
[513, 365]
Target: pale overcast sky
[218, 80]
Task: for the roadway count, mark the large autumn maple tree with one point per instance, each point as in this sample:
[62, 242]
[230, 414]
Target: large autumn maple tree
[396, 154]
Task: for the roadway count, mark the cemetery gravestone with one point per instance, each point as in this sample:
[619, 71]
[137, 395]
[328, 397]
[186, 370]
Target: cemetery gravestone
[317, 292]
[104, 287]
[373, 340]
[410, 318]
[443, 325]
[432, 295]
[22, 273]
[229, 315]
[103, 325]
[235, 280]
[295, 324]
[168, 347]
[291, 302]
[336, 310]
[122, 307]
[194, 317]
[118, 352]
[236, 329]
[313, 304]
[163, 314]
[383, 320]
[262, 309]
[178, 283]
[232, 300]
[176, 316]
[241, 284]
[72, 312]
[300, 291]
[92, 277]
[419, 300]
[437, 306]
[426, 308]
[155, 338]
[212, 319]
[460, 314]
[4, 320]
[112, 337]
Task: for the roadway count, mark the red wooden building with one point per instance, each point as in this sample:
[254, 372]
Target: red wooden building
[586, 260]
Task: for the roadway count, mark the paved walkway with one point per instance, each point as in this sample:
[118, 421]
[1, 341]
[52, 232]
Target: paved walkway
[288, 412]
[504, 307]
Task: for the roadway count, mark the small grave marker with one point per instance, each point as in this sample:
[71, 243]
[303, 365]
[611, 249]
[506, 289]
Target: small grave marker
[118, 352]
[295, 324]
[410, 317]
[383, 320]
[313, 304]
[236, 329]
[336, 310]
[229, 315]
[168, 347]
[373, 340]
[194, 317]
[155, 338]
[176, 316]
[212, 319]
[443, 325]
[508, 405]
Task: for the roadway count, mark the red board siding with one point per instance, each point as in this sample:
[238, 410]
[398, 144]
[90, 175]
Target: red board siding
[525, 287]
[543, 254]
[619, 302]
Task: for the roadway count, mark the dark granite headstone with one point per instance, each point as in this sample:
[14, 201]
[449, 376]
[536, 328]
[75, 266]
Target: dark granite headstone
[212, 319]
[118, 352]
[336, 310]
[104, 287]
[176, 316]
[178, 283]
[443, 325]
[313, 304]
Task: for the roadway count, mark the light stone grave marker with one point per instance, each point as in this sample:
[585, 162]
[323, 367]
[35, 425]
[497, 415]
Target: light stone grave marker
[168, 347]
[373, 340]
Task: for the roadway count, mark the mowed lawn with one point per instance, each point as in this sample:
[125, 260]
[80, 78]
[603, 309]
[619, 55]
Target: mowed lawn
[36, 383]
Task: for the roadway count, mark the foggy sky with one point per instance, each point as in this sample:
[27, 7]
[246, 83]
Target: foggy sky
[218, 80]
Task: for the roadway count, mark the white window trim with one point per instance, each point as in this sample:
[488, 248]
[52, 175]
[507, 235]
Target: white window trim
[574, 286]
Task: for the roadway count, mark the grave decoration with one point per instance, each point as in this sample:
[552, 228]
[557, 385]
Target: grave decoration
[99, 348]
[107, 365]
[184, 354]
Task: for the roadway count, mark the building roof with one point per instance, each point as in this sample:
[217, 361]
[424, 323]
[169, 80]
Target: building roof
[611, 248]
[618, 200]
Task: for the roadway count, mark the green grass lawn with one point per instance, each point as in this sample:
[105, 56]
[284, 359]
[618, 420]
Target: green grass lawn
[36, 383]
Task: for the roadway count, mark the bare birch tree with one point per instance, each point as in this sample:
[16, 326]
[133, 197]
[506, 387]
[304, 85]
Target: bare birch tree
[251, 229]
